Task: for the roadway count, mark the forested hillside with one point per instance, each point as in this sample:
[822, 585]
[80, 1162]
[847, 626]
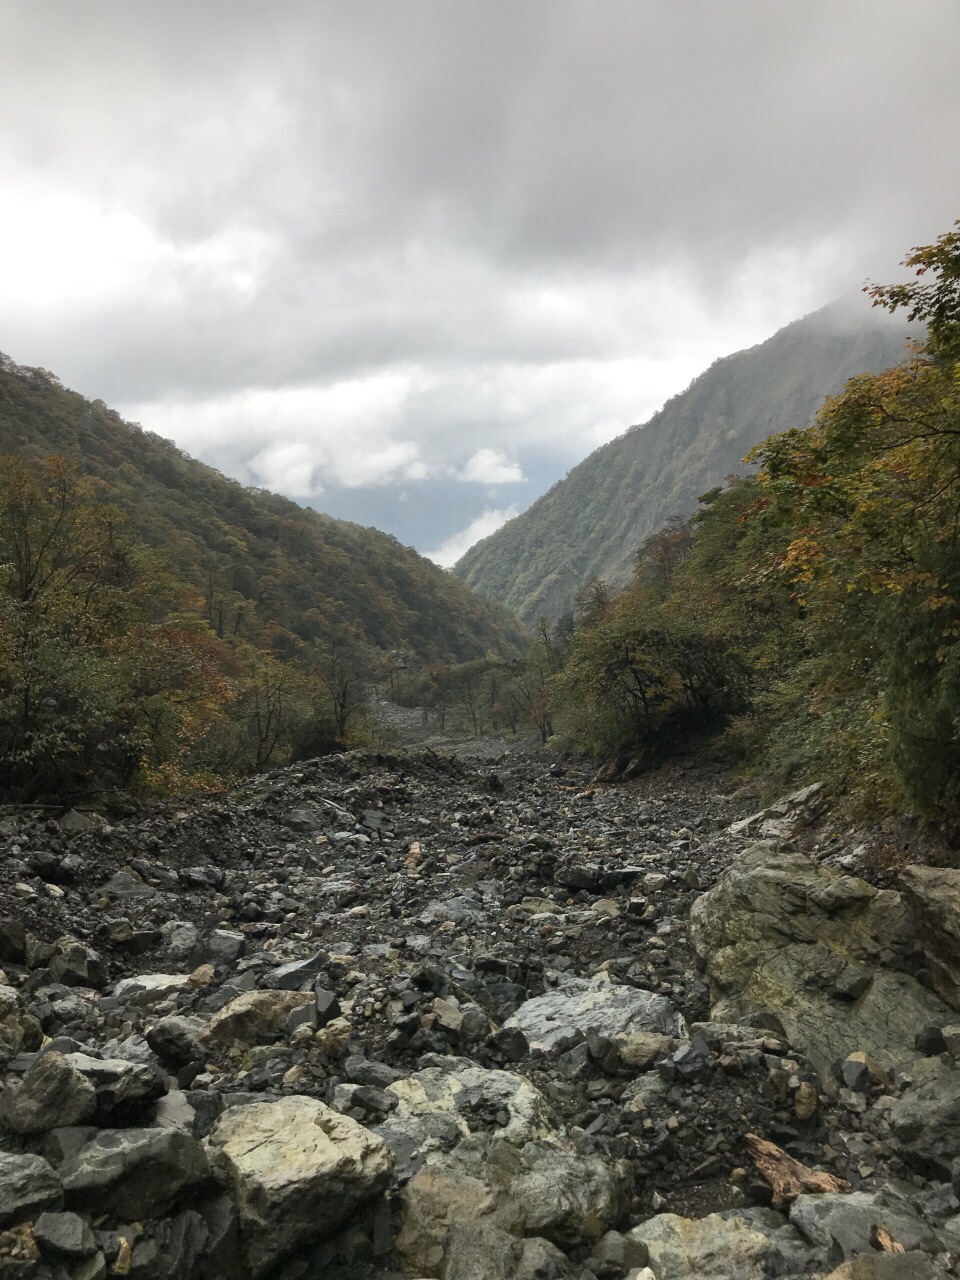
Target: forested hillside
[162, 627]
[256, 558]
[591, 523]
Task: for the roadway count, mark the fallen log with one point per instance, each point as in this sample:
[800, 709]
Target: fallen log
[788, 1178]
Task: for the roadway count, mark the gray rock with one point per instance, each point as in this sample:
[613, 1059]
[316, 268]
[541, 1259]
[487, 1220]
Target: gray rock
[786, 818]
[175, 1252]
[618, 1252]
[135, 1173]
[847, 1221]
[777, 934]
[932, 896]
[174, 1111]
[297, 1170]
[13, 940]
[435, 1105]
[717, 1247]
[53, 1092]
[76, 965]
[150, 988]
[890, 1266]
[27, 1184]
[596, 1005]
[224, 947]
[255, 1017]
[19, 1031]
[435, 1198]
[565, 1196]
[174, 1039]
[479, 1250]
[926, 1117]
[121, 1086]
[64, 1235]
[542, 1260]
[181, 941]
[290, 977]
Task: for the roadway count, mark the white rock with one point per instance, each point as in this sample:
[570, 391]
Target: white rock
[150, 988]
[297, 1170]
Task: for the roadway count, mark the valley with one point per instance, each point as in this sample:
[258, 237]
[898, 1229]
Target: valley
[535, 1019]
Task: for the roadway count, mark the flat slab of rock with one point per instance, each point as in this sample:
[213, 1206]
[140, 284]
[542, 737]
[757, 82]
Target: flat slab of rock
[27, 1184]
[150, 988]
[296, 1170]
[581, 1006]
[932, 896]
[135, 1173]
[781, 934]
[847, 1222]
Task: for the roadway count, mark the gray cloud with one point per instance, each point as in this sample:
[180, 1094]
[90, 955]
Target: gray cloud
[354, 246]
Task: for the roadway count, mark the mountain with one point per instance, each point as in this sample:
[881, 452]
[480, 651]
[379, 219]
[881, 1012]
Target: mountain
[257, 559]
[591, 523]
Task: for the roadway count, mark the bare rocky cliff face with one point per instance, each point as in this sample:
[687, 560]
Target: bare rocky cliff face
[591, 523]
[412, 1016]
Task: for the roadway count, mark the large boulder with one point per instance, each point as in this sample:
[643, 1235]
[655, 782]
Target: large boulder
[135, 1173]
[720, 1246]
[785, 818]
[539, 1188]
[53, 1092]
[846, 1222]
[579, 1006]
[932, 896]
[434, 1199]
[481, 1251]
[150, 988]
[297, 1171]
[18, 1030]
[781, 934]
[28, 1184]
[926, 1117]
[435, 1106]
[256, 1017]
[568, 1197]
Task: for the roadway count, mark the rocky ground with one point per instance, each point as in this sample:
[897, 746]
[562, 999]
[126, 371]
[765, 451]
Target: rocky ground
[410, 1015]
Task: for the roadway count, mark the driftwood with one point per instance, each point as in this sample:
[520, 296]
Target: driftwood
[788, 1178]
[881, 1239]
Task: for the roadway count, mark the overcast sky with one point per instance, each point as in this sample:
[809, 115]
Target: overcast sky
[410, 260]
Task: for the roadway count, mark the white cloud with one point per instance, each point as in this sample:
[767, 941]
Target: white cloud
[489, 466]
[298, 440]
[328, 254]
[449, 552]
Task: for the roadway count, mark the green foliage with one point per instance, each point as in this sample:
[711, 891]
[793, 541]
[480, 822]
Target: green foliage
[262, 568]
[95, 687]
[162, 627]
[816, 614]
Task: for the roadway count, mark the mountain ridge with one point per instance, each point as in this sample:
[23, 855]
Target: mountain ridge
[591, 523]
[304, 574]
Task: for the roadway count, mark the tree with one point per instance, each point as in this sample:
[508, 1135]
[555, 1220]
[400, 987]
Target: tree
[872, 494]
[344, 670]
